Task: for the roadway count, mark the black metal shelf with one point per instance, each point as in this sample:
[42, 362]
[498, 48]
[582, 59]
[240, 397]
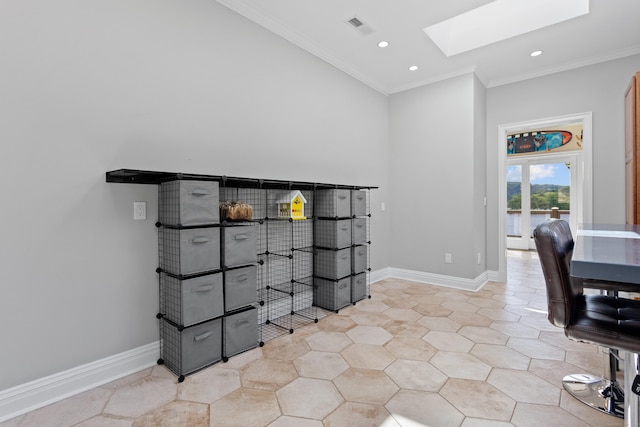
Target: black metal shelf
[135, 176]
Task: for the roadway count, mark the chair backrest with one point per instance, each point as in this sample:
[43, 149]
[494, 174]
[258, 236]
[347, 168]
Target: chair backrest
[554, 243]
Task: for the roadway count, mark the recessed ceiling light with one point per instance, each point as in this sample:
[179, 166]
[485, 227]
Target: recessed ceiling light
[500, 20]
[413, 68]
[536, 53]
[383, 44]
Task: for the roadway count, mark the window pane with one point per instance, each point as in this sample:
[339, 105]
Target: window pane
[514, 201]
[550, 188]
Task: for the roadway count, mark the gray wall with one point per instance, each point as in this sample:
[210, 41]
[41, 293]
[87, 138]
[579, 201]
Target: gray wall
[599, 89]
[186, 86]
[437, 175]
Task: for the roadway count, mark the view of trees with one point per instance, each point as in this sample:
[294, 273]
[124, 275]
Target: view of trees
[543, 196]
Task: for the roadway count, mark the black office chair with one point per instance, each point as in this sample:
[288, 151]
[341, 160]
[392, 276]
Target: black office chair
[600, 319]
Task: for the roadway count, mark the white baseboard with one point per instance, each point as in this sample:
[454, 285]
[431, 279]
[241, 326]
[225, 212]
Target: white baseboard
[24, 398]
[381, 274]
[497, 276]
[473, 285]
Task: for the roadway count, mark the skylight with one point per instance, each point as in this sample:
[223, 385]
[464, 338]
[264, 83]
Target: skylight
[501, 20]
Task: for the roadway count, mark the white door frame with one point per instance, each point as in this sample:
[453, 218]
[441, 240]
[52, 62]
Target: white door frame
[584, 176]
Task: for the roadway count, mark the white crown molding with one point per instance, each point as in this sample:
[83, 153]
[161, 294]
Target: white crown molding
[27, 397]
[623, 53]
[439, 78]
[244, 9]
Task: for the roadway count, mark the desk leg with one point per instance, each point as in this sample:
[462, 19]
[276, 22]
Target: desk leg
[631, 400]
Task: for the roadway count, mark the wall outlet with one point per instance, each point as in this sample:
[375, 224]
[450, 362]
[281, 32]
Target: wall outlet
[447, 258]
[383, 207]
[139, 210]
[479, 258]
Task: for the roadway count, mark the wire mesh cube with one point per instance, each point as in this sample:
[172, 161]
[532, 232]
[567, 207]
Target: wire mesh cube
[333, 234]
[240, 331]
[189, 251]
[239, 244]
[333, 264]
[188, 203]
[333, 203]
[240, 287]
[332, 294]
[190, 349]
[190, 301]
[358, 203]
[359, 287]
[359, 258]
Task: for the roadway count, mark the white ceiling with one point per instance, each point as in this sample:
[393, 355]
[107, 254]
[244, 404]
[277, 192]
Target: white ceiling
[611, 30]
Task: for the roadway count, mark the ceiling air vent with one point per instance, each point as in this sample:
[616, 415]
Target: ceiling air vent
[360, 26]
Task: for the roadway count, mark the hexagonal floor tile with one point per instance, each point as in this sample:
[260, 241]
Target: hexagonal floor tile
[366, 386]
[177, 413]
[287, 347]
[231, 410]
[294, 398]
[360, 414]
[432, 310]
[460, 365]
[449, 341]
[320, 364]
[500, 356]
[336, 324]
[367, 356]
[369, 335]
[268, 374]
[426, 408]
[209, 385]
[405, 329]
[478, 399]
[439, 324]
[524, 386]
[404, 314]
[329, 341]
[416, 375]
[142, 396]
[410, 348]
[536, 349]
[370, 319]
[483, 335]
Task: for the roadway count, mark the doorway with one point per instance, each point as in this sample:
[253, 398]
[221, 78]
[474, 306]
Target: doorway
[540, 188]
[580, 178]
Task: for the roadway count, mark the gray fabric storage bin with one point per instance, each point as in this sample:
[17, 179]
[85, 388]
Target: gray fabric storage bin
[240, 331]
[359, 231]
[240, 287]
[358, 287]
[333, 264]
[191, 301]
[333, 233]
[359, 258]
[239, 245]
[333, 203]
[192, 348]
[332, 294]
[358, 203]
[189, 251]
[188, 203]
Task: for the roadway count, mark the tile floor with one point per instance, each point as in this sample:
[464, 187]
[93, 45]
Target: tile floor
[413, 355]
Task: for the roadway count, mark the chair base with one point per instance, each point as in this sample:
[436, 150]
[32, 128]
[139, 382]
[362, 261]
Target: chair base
[604, 395]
